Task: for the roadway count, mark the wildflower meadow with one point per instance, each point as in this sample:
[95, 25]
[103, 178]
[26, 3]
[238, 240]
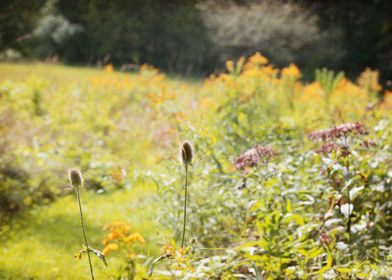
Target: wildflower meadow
[250, 173]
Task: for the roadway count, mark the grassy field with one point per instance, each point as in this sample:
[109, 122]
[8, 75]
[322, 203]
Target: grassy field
[288, 179]
[41, 244]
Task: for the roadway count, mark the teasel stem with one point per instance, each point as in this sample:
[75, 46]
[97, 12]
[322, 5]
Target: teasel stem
[186, 153]
[84, 232]
[185, 205]
[349, 210]
[349, 217]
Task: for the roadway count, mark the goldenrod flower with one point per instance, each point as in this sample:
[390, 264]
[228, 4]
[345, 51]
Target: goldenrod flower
[230, 66]
[134, 237]
[110, 248]
[291, 70]
[258, 59]
[168, 250]
[109, 68]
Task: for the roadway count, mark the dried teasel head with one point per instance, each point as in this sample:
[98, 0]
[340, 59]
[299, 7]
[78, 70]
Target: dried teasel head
[75, 177]
[186, 153]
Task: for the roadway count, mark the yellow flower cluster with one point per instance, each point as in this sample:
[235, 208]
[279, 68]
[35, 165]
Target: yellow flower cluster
[292, 70]
[109, 68]
[110, 248]
[180, 255]
[255, 81]
[257, 60]
[387, 100]
[368, 80]
[134, 237]
[168, 250]
[160, 97]
[119, 237]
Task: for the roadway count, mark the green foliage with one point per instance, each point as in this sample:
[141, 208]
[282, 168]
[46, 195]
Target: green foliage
[49, 236]
[284, 214]
[169, 35]
[286, 217]
[198, 36]
[328, 82]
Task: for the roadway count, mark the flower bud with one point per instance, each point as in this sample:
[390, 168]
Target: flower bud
[186, 153]
[75, 177]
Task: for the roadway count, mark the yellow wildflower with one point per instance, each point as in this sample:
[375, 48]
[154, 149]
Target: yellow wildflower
[134, 237]
[110, 248]
[258, 59]
[291, 70]
[270, 70]
[387, 101]
[230, 66]
[109, 68]
[168, 250]
[368, 80]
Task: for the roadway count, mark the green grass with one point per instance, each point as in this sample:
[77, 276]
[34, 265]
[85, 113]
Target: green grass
[41, 244]
[19, 72]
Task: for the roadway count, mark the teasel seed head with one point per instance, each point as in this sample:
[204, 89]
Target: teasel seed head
[75, 177]
[186, 153]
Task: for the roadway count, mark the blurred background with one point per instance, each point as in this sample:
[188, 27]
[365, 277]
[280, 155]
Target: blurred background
[196, 37]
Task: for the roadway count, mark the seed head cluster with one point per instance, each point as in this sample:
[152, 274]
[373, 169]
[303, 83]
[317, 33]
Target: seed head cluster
[186, 153]
[327, 148]
[338, 132]
[75, 177]
[252, 156]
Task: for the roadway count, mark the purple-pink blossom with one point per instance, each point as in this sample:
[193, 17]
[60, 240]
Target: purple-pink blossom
[252, 156]
[338, 132]
[327, 148]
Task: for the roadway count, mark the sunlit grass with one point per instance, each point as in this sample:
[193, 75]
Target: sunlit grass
[19, 72]
[41, 245]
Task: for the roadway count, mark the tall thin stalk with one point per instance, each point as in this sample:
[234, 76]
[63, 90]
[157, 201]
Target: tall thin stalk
[349, 209]
[84, 232]
[76, 180]
[185, 203]
[186, 153]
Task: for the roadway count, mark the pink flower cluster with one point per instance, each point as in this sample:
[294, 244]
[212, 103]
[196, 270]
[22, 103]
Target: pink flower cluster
[327, 148]
[338, 132]
[252, 156]
[368, 144]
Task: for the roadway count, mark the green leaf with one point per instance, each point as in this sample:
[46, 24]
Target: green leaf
[327, 266]
[354, 192]
[294, 217]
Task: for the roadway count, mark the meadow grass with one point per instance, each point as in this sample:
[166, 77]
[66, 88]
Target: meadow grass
[40, 245]
[51, 72]
[122, 130]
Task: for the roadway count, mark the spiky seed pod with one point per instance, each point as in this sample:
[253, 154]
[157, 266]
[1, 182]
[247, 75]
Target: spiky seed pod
[186, 153]
[75, 177]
